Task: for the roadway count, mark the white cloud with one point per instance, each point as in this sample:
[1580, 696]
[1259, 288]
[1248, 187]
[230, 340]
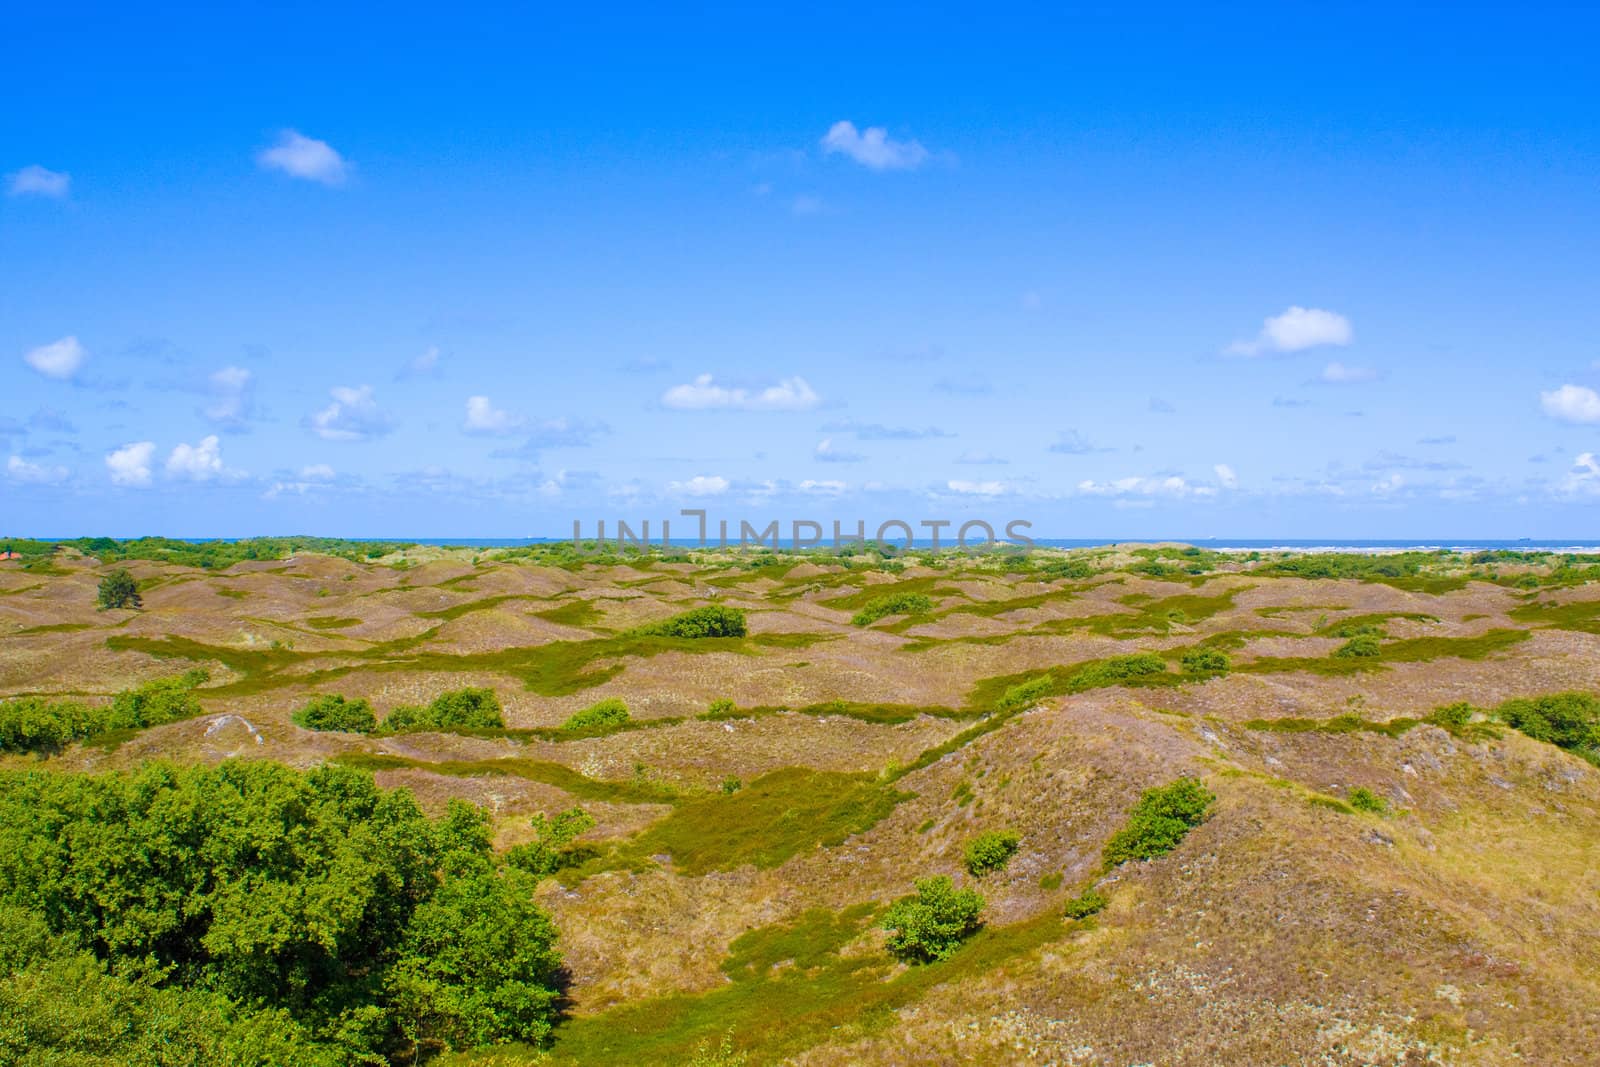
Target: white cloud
[958, 485]
[196, 463]
[312, 476]
[1571, 403]
[483, 417]
[1297, 328]
[1158, 486]
[1225, 476]
[317, 472]
[1072, 443]
[700, 485]
[35, 180]
[1389, 486]
[58, 359]
[1341, 374]
[423, 365]
[354, 415]
[704, 394]
[827, 453]
[130, 464]
[822, 487]
[1584, 478]
[872, 147]
[305, 157]
[230, 395]
[20, 470]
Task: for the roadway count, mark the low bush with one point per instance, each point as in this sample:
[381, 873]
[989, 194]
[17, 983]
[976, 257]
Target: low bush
[1566, 720]
[460, 709]
[1116, 670]
[34, 724]
[1452, 715]
[1076, 569]
[119, 590]
[550, 850]
[1205, 661]
[1363, 799]
[1359, 647]
[605, 716]
[156, 703]
[334, 713]
[711, 621]
[931, 925]
[990, 851]
[894, 604]
[1159, 821]
[1084, 905]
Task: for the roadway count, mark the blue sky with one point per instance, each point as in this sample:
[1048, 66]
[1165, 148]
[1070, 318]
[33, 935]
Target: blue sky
[449, 272]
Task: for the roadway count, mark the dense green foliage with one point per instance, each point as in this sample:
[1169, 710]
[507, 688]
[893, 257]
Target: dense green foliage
[35, 724]
[315, 896]
[990, 851]
[119, 590]
[714, 620]
[605, 716]
[893, 604]
[1159, 821]
[1566, 720]
[459, 709]
[1205, 661]
[933, 924]
[1361, 646]
[334, 712]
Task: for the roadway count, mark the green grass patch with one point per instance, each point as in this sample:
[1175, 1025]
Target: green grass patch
[631, 791]
[572, 613]
[774, 818]
[331, 622]
[912, 604]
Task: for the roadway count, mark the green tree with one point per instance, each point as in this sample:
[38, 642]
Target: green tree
[119, 590]
[931, 925]
[549, 850]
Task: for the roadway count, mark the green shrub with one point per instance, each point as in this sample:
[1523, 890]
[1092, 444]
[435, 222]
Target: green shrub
[730, 785]
[34, 724]
[1116, 670]
[119, 590]
[1066, 568]
[931, 925]
[550, 850]
[333, 712]
[1085, 905]
[1363, 799]
[606, 716]
[1359, 647]
[1159, 821]
[711, 621]
[1205, 661]
[893, 604]
[460, 709]
[1452, 715]
[155, 703]
[1566, 720]
[991, 851]
[722, 708]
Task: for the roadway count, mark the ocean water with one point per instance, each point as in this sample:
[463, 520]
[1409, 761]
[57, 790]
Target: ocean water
[1457, 544]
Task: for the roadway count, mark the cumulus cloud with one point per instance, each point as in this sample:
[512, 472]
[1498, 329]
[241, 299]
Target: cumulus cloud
[966, 488]
[1297, 328]
[354, 415]
[196, 463]
[305, 157]
[1342, 374]
[872, 147]
[1584, 478]
[130, 464]
[1225, 476]
[231, 389]
[484, 418]
[704, 394]
[58, 359]
[35, 180]
[827, 453]
[1571, 403]
[21, 471]
[700, 485]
